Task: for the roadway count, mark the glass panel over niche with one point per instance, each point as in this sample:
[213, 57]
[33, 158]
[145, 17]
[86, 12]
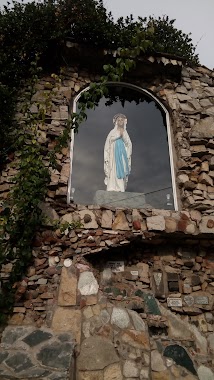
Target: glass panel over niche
[121, 154]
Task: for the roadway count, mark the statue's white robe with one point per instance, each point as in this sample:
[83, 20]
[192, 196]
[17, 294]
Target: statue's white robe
[113, 183]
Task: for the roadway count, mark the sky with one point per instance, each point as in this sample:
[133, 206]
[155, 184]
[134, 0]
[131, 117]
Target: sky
[195, 16]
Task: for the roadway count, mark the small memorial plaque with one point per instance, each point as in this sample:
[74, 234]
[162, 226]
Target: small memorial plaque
[157, 277]
[134, 272]
[174, 302]
[116, 266]
[201, 300]
[189, 300]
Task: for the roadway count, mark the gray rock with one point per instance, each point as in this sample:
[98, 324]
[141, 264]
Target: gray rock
[180, 330]
[96, 353]
[87, 284]
[209, 91]
[106, 221]
[104, 316]
[120, 318]
[67, 218]
[35, 372]
[195, 104]
[10, 335]
[130, 369]
[211, 342]
[58, 376]
[37, 337]
[65, 337]
[49, 213]
[187, 109]
[182, 178]
[156, 223]
[144, 373]
[205, 102]
[3, 356]
[203, 226]
[209, 111]
[206, 179]
[181, 90]
[205, 373]
[138, 322]
[204, 128]
[119, 199]
[56, 355]
[19, 362]
[183, 97]
[157, 363]
[106, 276]
[206, 79]
[193, 94]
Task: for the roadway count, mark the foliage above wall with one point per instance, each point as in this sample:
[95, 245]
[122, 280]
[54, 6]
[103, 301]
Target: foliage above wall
[41, 28]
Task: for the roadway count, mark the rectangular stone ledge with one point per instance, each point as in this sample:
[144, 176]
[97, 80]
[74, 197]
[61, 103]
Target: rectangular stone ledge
[129, 222]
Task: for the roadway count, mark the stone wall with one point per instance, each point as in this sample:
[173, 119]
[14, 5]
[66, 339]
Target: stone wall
[191, 106]
[129, 293]
[127, 281]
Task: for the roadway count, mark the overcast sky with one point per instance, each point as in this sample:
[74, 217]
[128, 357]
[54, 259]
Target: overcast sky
[195, 16]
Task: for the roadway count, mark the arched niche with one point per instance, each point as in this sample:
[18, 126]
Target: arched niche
[151, 180]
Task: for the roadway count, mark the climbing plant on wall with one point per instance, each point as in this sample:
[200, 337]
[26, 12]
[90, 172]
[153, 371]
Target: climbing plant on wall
[45, 27]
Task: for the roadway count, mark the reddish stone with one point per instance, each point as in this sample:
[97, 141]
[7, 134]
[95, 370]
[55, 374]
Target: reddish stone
[99, 232]
[105, 331]
[127, 235]
[182, 225]
[37, 241]
[31, 271]
[46, 295]
[162, 92]
[49, 236]
[39, 262]
[51, 301]
[82, 303]
[21, 289]
[86, 244]
[28, 304]
[51, 271]
[137, 224]
[210, 223]
[91, 300]
[199, 259]
[171, 225]
[33, 294]
[184, 216]
[43, 288]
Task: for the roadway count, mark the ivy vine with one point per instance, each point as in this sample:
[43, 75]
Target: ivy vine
[20, 215]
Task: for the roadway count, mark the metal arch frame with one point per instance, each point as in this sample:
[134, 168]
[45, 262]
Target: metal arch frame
[132, 86]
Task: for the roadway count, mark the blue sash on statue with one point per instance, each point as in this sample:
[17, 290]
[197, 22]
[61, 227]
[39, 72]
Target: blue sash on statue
[121, 159]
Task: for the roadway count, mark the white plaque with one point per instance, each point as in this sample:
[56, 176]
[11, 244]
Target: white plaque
[67, 263]
[116, 266]
[174, 302]
[134, 272]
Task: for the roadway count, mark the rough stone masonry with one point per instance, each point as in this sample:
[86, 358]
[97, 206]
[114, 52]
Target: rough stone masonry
[129, 295]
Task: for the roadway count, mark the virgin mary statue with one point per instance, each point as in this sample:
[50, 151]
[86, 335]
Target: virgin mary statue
[117, 155]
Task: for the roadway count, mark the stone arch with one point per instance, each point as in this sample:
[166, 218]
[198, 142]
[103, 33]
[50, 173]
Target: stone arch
[166, 119]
